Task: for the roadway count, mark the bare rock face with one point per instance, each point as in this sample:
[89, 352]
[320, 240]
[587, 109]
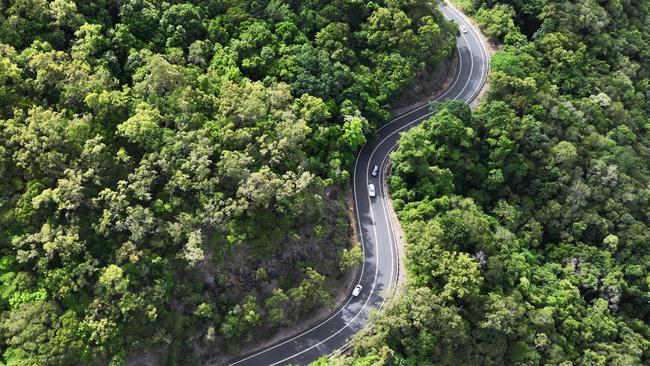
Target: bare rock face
[426, 86]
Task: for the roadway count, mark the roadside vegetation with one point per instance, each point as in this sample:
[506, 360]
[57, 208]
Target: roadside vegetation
[173, 173]
[527, 219]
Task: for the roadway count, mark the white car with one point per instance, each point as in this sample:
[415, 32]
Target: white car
[375, 171]
[371, 190]
[463, 28]
[357, 290]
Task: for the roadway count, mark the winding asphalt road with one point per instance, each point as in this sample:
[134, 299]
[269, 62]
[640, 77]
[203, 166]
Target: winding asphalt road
[379, 272]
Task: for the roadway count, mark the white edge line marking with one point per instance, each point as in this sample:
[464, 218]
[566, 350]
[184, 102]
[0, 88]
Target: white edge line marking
[374, 281]
[371, 211]
[384, 161]
[484, 52]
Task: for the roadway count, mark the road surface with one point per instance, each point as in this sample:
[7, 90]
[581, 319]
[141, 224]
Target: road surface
[380, 266]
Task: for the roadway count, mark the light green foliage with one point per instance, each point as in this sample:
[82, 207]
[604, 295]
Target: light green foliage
[205, 310]
[507, 62]
[452, 274]
[465, 5]
[353, 136]
[182, 24]
[65, 14]
[143, 128]
[390, 29]
[40, 322]
[276, 307]
[432, 151]
[351, 258]
[334, 38]
[310, 293]
[497, 21]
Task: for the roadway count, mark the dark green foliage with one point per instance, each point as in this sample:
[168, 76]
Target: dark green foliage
[172, 172]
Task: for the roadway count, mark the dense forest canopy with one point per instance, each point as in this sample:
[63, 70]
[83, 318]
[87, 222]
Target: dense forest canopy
[172, 172]
[528, 235]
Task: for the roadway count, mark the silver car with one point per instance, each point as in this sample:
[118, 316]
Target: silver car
[357, 290]
[375, 171]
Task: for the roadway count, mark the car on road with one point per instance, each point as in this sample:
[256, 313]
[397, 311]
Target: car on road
[357, 290]
[463, 28]
[371, 190]
[375, 171]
